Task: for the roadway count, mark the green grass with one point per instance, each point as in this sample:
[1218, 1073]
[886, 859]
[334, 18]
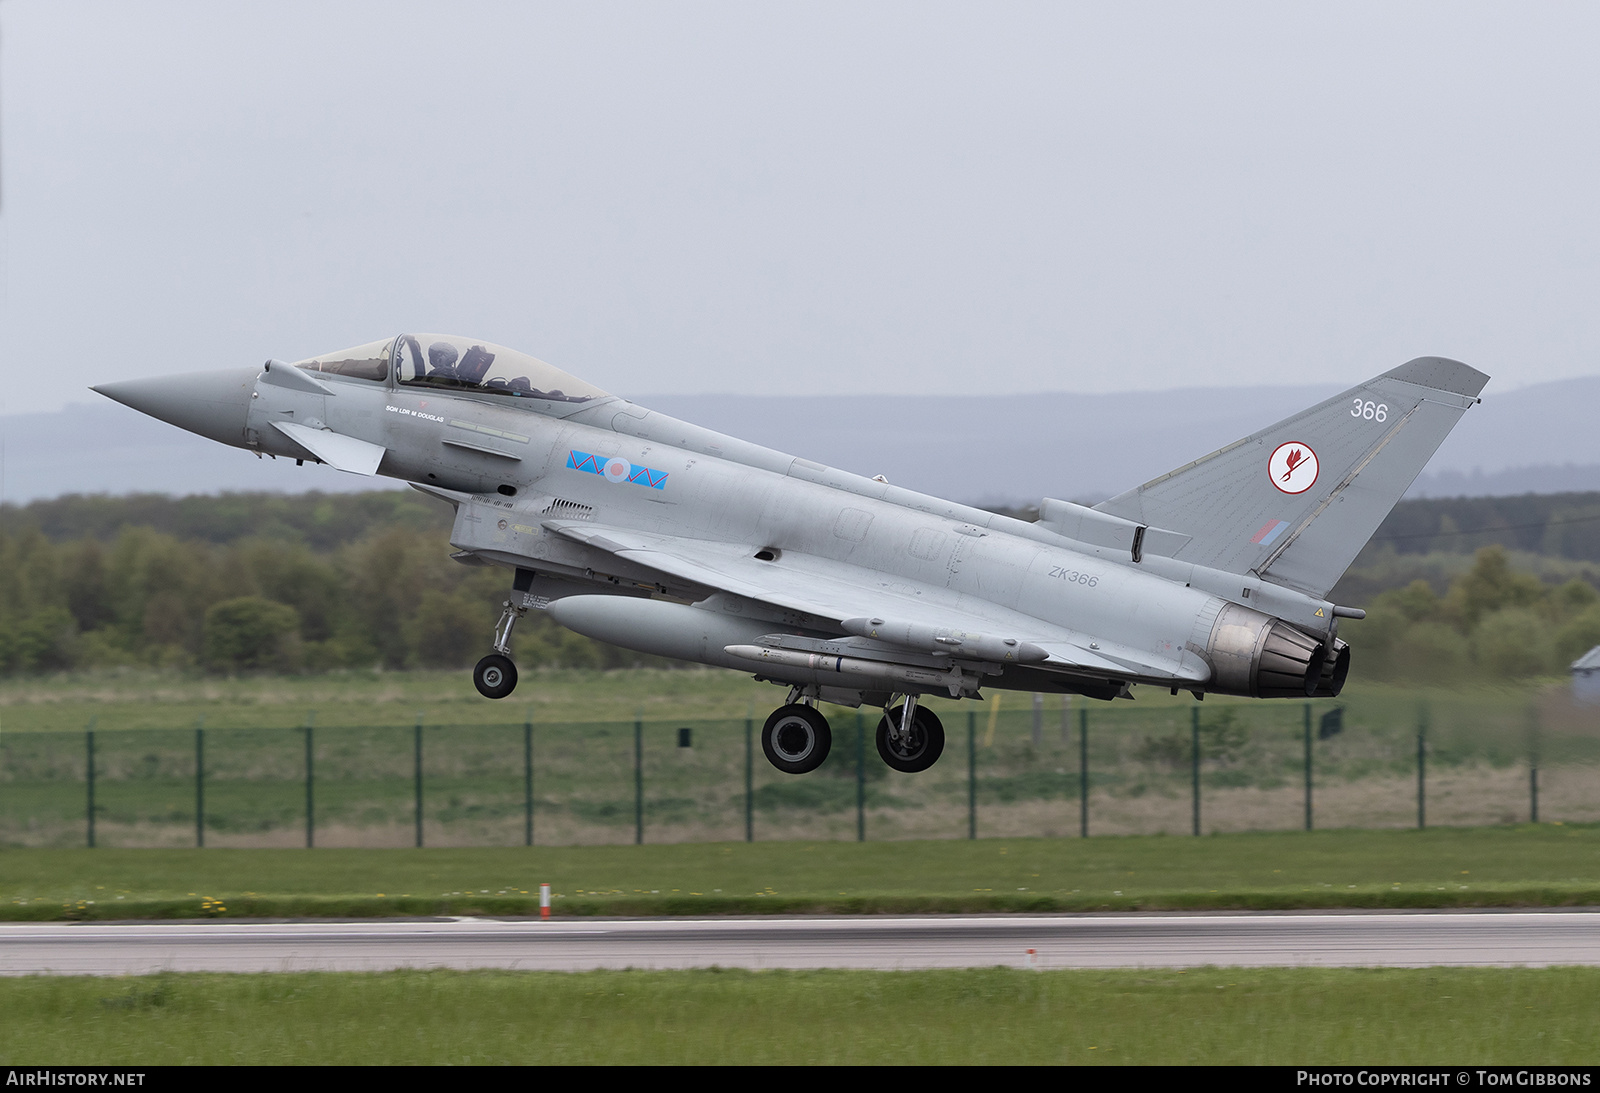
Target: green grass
[1303, 1017]
[147, 699]
[1527, 866]
[1026, 772]
[130, 698]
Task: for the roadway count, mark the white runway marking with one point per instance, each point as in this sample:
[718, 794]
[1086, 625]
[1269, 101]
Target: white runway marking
[1060, 941]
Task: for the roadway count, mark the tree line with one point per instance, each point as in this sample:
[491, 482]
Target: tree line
[1555, 525]
[1491, 622]
[370, 583]
[313, 582]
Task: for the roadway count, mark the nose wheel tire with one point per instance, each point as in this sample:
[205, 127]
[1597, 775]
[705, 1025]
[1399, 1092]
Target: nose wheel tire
[796, 739]
[495, 676]
[921, 750]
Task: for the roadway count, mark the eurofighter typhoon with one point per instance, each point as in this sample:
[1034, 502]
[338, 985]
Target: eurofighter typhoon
[653, 534]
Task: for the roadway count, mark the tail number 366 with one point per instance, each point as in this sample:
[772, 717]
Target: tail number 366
[1370, 411]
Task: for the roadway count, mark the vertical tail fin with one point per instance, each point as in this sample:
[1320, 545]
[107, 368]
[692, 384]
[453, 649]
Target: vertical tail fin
[1296, 502]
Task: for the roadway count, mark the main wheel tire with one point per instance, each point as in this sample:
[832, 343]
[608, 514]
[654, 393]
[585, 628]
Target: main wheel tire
[796, 739]
[495, 676]
[924, 748]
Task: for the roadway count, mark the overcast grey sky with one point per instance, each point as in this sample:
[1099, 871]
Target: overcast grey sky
[804, 198]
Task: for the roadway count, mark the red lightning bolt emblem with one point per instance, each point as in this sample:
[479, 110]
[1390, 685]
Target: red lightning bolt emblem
[1293, 467]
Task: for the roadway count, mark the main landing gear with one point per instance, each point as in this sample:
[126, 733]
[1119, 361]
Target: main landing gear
[796, 738]
[910, 739]
[495, 676]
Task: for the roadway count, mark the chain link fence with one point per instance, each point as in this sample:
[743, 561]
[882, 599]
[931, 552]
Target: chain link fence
[1056, 769]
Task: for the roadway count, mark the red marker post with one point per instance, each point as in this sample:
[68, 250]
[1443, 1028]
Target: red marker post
[544, 901]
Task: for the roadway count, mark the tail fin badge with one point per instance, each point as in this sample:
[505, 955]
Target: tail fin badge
[1293, 467]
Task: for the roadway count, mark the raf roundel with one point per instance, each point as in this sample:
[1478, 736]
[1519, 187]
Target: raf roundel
[616, 470]
[1293, 467]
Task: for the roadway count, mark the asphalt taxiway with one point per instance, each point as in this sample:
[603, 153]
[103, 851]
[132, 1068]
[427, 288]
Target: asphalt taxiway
[877, 942]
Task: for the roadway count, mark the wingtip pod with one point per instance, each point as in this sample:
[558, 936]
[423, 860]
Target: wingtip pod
[1442, 374]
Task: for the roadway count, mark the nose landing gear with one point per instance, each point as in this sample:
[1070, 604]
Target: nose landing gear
[495, 676]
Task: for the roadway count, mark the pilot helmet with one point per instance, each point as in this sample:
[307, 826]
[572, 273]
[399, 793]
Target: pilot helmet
[442, 356]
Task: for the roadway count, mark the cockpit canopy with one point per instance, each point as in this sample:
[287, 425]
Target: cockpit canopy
[457, 364]
[439, 360]
[364, 362]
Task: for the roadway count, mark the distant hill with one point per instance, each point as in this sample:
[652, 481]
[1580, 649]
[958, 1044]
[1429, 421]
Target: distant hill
[101, 447]
[1016, 449]
[323, 522]
[981, 449]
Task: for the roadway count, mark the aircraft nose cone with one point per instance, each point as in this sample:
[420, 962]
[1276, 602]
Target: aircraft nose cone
[213, 404]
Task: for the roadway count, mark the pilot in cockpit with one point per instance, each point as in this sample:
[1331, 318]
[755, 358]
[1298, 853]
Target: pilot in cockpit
[442, 361]
[478, 367]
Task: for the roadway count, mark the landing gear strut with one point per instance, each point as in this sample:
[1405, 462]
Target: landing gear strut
[796, 738]
[911, 738]
[495, 676]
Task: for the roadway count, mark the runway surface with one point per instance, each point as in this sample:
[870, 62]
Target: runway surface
[1057, 941]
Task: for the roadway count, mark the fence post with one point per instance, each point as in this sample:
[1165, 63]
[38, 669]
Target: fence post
[527, 780]
[1038, 720]
[311, 811]
[972, 774]
[861, 778]
[1533, 764]
[416, 751]
[638, 780]
[749, 781]
[1308, 766]
[1083, 771]
[89, 733]
[1422, 767]
[1194, 762]
[200, 783]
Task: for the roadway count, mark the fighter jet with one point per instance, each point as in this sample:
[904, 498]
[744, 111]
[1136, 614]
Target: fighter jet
[657, 535]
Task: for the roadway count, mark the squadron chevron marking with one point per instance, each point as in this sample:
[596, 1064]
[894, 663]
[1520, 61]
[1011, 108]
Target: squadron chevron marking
[617, 470]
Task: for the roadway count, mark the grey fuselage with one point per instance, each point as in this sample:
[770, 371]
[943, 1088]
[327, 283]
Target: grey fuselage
[528, 474]
[510, 466]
